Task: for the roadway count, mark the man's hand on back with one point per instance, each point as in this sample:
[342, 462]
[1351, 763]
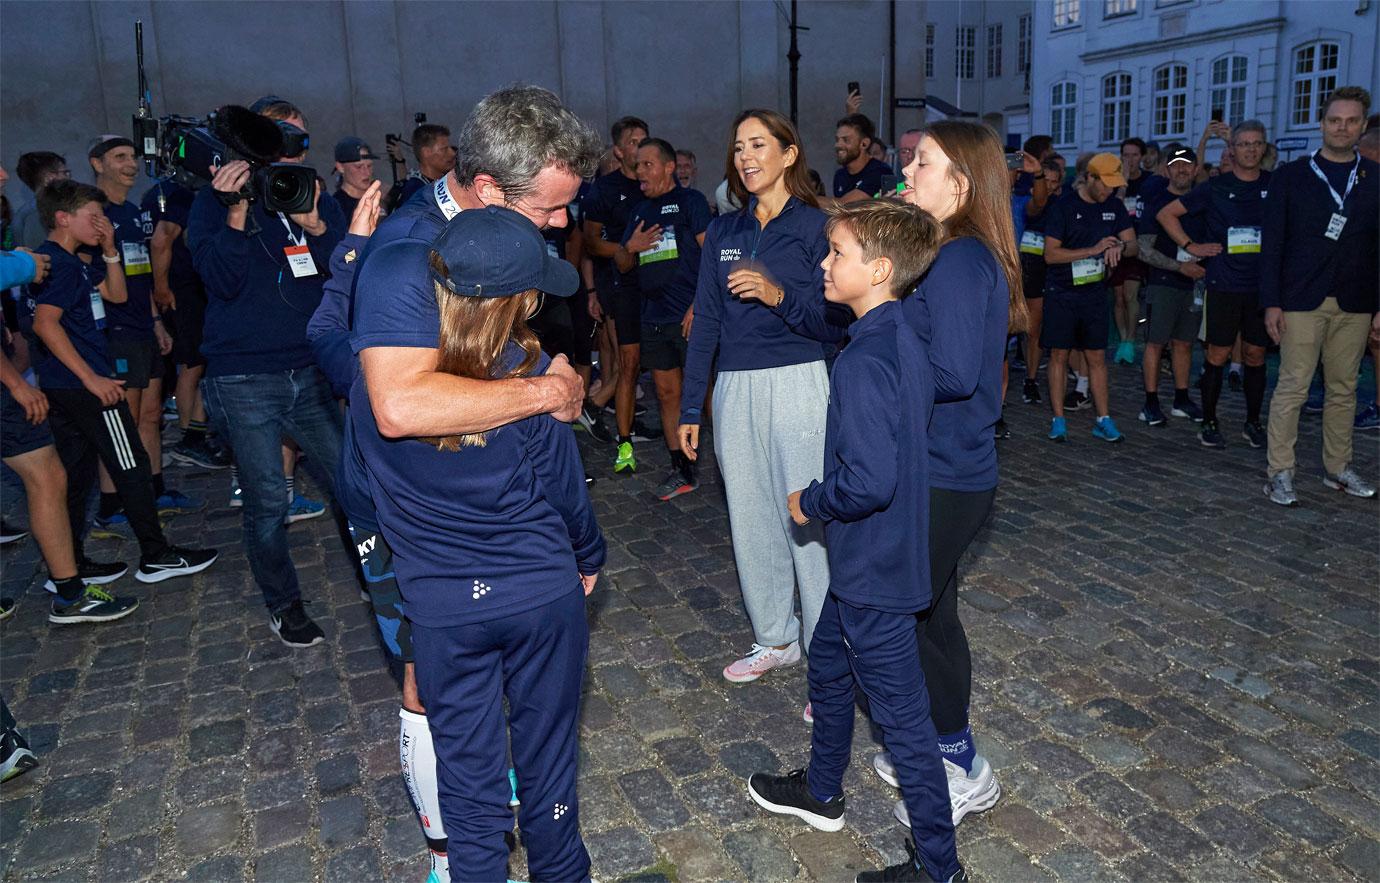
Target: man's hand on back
[567, 395]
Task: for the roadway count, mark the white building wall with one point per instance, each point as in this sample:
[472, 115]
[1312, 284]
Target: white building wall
[1001, 100]
[1196, 33]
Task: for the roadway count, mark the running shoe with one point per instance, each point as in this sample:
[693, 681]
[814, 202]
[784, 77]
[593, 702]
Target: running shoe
[98, 572]
[1105, 429]
[302, 509]
[789, 795]
[1254, 433]
[1031, 393]
[1280, 488]
[1349, 481]
[1210, 436]
[624, 458]
[199, 454]
[173, 502]
[641, 432]
[761, 660]
[1076, 401]
[1126, 353]
[1000, 430]
[809, 714]
[7, 606]
[1234, 380]
[1058, 430]
[236, 496]
[512, 786]
[977, 791]
[1367, 419]
[294, 628]
[1187, 408]
[908, 871]
[15, 756]
[1151, 415]
[592, 420]
[638, 409]
[111, 524]
[175, 562]
[94, 605]
[676, 483]
[11, 534]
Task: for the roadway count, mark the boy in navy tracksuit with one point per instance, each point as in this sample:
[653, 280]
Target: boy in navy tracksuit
[874, 502]
[495, 546]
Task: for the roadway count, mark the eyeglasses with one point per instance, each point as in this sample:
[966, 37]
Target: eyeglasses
[1256, 144]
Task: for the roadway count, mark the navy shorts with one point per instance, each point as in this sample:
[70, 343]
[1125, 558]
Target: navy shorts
[1230, 313]
[623, 304]
[17, 434]
[1075, 321]
[663, 347]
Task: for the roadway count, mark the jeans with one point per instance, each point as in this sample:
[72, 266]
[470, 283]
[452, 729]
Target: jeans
[255, 412]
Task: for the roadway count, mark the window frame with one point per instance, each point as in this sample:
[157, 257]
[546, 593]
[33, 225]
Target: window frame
[929, 49]
[1119, 8]
[1063, 113]
[1070, 10]
[1174, 97]
[1230, 87]
[965, 49]
[994, 48]
[1024, 42]
[1314, 77]
[1121, 104]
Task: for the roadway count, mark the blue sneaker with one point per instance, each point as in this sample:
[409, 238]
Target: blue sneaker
[1368, 418]
[512, 783]
[1106, 430]
[113, 527]
[301, 508]
[174, 502]
[1057, 430]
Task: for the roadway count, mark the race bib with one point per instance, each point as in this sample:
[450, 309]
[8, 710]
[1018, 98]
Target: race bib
[1243, 240]
[1132, 206]
[1032, 242]
[1088, 271]
[98, 308]
[665, 250]
[136, 257]
[1184, 257]
[300, 261]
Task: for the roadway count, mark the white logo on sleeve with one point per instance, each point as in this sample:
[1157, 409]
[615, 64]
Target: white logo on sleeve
[560, 810]
[480, 590]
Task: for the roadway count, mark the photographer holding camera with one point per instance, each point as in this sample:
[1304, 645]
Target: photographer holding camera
[263, 277]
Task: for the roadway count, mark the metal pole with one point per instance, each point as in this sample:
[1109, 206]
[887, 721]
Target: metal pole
[794, 57]
[891, 81]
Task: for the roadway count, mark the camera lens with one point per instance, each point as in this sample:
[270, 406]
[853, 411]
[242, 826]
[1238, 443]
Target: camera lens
[284, 188]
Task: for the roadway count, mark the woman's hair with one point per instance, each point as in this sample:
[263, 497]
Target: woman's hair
[474, 333]
[797, 175]
[975, 154]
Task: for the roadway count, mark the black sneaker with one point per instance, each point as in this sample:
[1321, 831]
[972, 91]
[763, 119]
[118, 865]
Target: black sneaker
[199, 454]
[99, 572]
[1076, 401]
[677, 482]
[592, 419]
[1210, 436]
[1234, 380]
[1001, 431]
[294, 628]
[908, 871]
[175, 562]
[11, 534]
[1254, 433]
[589, 479]
[94, 605]
[1151, 415]
[1031, 395]
[15, 756]
[641, 432]
[790, 795]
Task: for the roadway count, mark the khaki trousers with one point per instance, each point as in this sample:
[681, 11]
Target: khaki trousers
[1340, 338]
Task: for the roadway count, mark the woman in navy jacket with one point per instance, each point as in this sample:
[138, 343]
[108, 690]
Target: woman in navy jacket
[964, 308]
[760, 304]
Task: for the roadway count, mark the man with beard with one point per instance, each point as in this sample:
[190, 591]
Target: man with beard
[859, 175]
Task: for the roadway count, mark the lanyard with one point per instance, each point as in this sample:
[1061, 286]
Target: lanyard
[288, 227]
[1350, 181]
[443, 198]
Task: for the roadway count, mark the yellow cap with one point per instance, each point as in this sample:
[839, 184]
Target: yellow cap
[1106, 167]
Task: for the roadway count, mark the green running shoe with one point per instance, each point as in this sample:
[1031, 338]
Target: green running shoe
[625, 458]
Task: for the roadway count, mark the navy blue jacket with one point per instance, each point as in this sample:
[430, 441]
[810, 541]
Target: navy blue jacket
[256, 310]
[874, 498]
[1299, 266]
[749, 335]
[961, 311]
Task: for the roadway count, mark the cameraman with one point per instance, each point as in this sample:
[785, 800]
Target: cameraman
[263, 278]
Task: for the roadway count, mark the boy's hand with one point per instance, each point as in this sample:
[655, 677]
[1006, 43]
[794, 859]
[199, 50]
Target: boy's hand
[105, 235]
[793, 503]
[107, 389]
[588, 580]
[33, 401]
[689, 435]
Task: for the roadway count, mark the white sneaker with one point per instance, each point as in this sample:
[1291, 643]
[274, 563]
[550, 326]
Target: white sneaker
[1351, 482]
[973, 792]
[760, 661]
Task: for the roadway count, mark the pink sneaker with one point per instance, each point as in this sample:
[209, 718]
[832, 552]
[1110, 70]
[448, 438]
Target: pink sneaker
[760, 661]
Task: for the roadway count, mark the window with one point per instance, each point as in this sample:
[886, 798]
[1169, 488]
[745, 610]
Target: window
[994, 50]
[1229, 88]
[1315, 76]
[1063, 112]
[1116, 108]
[1065, 13]
[929, 49]
[1023, 46]
[1113, 8]
[965, 56]
[1169, 101]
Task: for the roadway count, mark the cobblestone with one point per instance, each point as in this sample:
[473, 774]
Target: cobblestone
[1173, 680]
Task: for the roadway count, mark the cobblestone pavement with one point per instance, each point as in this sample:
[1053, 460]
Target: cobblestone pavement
[1174, 679]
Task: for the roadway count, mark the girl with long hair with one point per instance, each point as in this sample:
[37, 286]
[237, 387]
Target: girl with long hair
[495, 547]
[760, 304]
[964, 308]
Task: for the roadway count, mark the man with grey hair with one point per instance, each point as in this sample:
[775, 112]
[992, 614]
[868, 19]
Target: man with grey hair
[521, 148]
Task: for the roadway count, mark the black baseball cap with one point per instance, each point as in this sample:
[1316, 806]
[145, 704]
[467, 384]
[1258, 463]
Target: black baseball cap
[1181, 154]
[496, 252]
[103, 144]
[352, 149]
[266, 101]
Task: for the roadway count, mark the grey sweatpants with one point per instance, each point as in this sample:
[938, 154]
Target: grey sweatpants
[769, 438]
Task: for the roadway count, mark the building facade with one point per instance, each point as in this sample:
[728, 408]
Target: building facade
[977, 59]
[1162, 69]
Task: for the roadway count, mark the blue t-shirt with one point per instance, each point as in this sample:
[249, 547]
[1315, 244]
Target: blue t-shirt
[667, 271]
[71, 286]
[610, 202]
[133, 227]
[175, 207]
[868, 179]
[1234, 212]
[1147, 225]
[1077, 223]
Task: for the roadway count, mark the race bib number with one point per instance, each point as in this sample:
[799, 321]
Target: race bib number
[300, 261]
[98, 308]
[1184, 257]
[1243, 240]
[664, 250]
[136, 258]
[1088, 271]
[1032, 242]
[1132, 206]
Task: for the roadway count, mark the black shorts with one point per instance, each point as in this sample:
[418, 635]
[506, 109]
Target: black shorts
[551, 324]
[1234, 312]
[185, 324]
[17, 434]
[1075, 321]
[134, 356]
[663, 347]
[1033, 276]
[623, 305]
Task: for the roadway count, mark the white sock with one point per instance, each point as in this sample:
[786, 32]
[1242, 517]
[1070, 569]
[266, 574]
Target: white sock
[419, 773]
[1235, 368]
[291, 486]
[1082, 384]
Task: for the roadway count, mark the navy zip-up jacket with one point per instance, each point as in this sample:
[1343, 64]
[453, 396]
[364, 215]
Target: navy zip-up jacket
[961, 310]
[874, 498]
[1299, 265]
[749, 335]
[256, 311]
